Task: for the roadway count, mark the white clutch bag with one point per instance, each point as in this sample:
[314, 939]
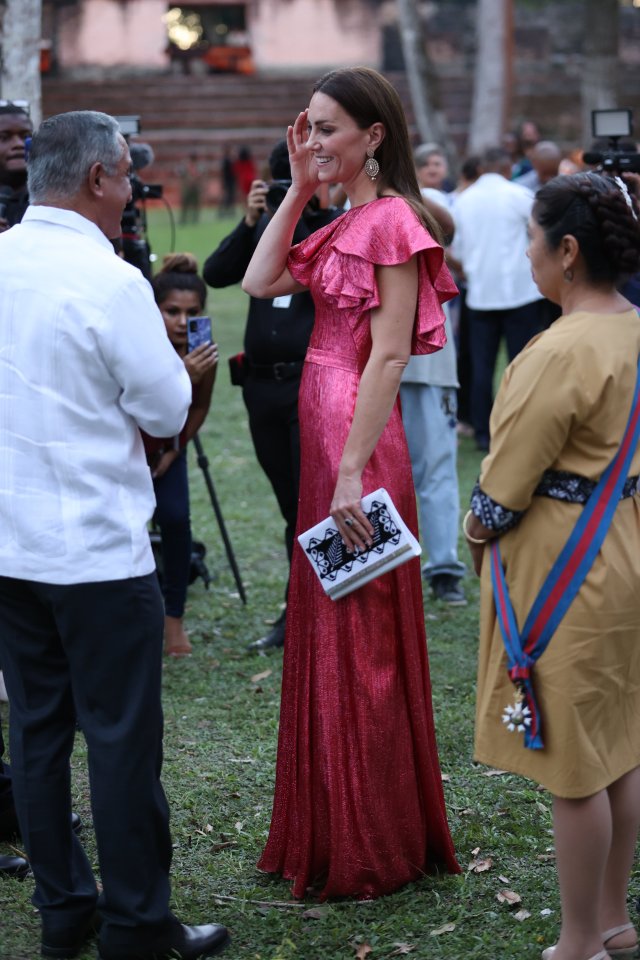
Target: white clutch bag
[340, 572]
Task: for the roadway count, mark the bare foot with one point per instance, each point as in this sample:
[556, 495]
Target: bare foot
[176, 641]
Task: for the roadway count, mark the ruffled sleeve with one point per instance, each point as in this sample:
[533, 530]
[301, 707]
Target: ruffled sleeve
[382, 233]
[303, 257]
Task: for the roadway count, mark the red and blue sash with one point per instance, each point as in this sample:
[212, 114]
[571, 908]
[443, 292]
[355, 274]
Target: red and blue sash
[565, 577]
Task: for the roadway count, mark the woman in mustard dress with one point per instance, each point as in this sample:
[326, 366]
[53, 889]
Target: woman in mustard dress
[557, 423]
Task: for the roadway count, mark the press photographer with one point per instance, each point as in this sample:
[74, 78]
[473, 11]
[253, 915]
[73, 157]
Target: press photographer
[275, 342]
[16, 130]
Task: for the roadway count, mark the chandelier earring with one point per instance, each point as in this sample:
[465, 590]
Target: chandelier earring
[371, 165]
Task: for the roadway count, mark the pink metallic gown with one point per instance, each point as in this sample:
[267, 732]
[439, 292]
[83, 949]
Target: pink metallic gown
[358, 808]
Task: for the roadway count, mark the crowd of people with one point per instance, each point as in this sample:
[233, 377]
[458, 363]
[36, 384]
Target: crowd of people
[350, 380]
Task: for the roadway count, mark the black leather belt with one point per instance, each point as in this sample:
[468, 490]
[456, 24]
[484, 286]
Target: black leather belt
[285, 370]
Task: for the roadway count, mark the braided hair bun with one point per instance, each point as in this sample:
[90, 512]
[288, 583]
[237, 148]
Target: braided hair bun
[600, 215]
[179, 271]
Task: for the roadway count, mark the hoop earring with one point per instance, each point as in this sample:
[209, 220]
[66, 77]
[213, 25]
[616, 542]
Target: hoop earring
[568, 275]
[371, 165]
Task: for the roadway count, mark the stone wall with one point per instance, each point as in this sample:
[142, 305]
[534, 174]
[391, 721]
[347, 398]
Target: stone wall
[547, 67]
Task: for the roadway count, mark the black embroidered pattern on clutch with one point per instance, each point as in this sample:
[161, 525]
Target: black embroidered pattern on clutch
[330, 554]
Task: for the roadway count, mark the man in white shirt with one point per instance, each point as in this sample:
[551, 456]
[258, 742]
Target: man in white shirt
[491, 219]
[84, 362]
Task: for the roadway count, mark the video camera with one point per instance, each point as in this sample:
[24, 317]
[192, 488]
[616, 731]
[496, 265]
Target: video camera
[612, 125]
[277, 191]
[135, 243]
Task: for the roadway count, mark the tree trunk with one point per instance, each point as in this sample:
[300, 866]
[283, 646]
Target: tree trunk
[600, 67]
[423, 85]
[491, 76]
[20, 65]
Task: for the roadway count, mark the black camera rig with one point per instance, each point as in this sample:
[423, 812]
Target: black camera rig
[613, 126]
[135, 242]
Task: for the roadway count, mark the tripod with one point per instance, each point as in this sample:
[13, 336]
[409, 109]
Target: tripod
[203, 463]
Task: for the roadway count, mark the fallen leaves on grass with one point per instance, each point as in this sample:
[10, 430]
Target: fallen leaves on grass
[522, 915]
[316, 913]
[223, 845]
[493, 773]
[258, 677]
[205, 830]
[446, 928]
[479, 865]
[363, 951]
[508, 896]
[402, 949]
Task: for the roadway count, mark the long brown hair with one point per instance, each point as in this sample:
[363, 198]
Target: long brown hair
[369, 98]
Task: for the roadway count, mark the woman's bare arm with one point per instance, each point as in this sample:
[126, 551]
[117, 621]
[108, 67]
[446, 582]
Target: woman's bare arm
[391, 330]
[267, 274]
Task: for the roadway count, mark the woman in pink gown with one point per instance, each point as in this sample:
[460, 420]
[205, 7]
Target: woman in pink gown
[359, 808]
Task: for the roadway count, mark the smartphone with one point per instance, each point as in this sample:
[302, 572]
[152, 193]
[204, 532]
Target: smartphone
[198, 331]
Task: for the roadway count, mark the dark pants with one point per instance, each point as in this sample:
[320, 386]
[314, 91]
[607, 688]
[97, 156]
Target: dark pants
[6, 791]
[172, 517]
[91, 650]
[486, 328]
[272, 406]
[463, 356]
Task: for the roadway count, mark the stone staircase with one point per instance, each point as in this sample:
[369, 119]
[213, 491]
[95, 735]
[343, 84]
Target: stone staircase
[182, 116]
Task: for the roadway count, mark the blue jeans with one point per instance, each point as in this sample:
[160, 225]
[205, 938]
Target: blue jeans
[430, 416]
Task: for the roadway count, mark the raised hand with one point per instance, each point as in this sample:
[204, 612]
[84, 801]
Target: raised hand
[304, 170]
[200, 361]
[256, 202]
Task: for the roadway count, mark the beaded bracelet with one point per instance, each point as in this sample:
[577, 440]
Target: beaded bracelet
[468, 536]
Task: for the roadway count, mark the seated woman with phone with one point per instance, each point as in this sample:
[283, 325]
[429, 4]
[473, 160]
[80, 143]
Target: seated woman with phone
[181, 296]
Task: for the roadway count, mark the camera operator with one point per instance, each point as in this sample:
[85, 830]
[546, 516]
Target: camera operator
[15, 130]
[616, 155]
[275, 342]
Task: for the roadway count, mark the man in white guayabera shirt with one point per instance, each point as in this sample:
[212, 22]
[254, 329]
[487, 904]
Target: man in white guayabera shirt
[84, 362]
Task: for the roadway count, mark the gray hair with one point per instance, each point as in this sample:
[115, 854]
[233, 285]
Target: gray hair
[422, 153]
[65, 148]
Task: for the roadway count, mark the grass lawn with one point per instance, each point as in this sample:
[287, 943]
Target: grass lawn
[221, 709]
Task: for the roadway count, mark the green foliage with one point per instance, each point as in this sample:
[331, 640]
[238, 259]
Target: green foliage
[221, 727]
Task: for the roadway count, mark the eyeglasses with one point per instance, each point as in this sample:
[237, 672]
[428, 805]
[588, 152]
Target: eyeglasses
[21, 104]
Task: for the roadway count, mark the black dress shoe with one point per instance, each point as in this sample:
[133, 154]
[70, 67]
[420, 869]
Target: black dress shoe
[275, 637]
[13, 867]
[66, 942]
[187, 943]
[10, 828]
